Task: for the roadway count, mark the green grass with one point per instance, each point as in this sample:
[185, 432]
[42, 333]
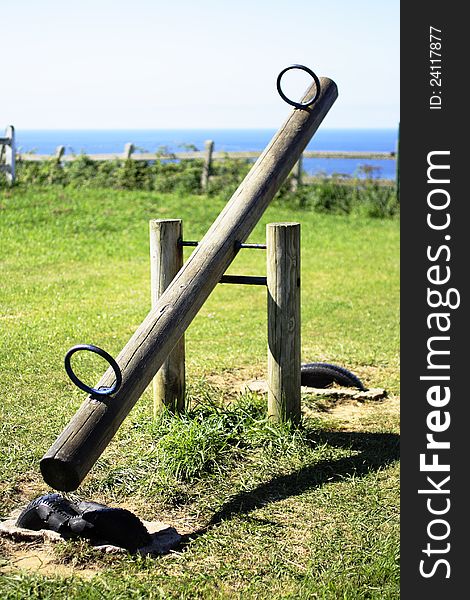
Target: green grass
[361, 194]
[270, 511]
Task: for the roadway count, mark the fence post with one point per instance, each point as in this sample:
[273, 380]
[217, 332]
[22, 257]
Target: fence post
[206, 169]
[10, 155]
[59, 153]
[296, 180]
[166, 259]
[128, 150]
[283, 279]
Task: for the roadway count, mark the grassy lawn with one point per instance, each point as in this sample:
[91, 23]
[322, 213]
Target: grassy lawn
[266, 511]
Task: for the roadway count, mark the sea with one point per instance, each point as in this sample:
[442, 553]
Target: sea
[95, 141]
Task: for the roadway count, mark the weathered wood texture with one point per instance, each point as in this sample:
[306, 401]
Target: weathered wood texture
[59, 153]
[9, 152]
[166, 259]
[206, 169]
[77, 448]
[128, 150]
[283, 278]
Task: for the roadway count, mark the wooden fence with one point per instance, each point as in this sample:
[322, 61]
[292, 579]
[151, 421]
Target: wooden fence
[208, 156]
[8, 154]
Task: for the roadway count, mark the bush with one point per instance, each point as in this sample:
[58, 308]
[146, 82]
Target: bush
[364, 194]
[183, 176]
[341, 194]
[227, 175]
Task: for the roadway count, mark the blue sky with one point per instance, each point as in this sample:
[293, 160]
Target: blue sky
[193, 64]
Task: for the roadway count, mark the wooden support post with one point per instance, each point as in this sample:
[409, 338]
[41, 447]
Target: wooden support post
[72, 455]
[10, 155]
[296, 180]
[166, 259]
[128, 150]
[59, 153]
[283, 277]
[206, 169]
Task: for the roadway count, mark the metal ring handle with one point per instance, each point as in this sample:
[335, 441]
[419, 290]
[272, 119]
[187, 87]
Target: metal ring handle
[104, 391]
[288, 100]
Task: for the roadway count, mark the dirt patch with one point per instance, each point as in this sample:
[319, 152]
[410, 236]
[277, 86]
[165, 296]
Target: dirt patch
[39, 559]
[28, 489]
[232, 381]
[357, 416]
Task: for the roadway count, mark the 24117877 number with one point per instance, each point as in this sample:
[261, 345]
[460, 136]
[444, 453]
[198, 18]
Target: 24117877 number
[435, 68]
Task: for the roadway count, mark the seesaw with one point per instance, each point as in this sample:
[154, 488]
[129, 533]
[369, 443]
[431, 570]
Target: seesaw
[69, 459]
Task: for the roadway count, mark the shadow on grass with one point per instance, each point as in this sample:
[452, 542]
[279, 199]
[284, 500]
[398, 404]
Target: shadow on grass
[376, 450]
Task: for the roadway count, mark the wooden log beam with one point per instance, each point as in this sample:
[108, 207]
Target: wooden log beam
[69, 459]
